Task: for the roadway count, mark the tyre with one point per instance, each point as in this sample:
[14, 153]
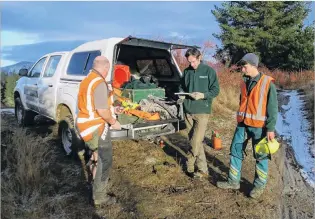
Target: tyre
[24, 117]
[68, 137]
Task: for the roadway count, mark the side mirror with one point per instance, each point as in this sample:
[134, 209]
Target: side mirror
[23, 72]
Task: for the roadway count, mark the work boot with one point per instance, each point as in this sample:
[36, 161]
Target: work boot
[106, 200]
[200, 175]
[256, 192]
[190, 174]
[228, 185]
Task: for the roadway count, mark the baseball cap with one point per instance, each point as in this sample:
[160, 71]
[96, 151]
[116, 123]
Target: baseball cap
[249, 58]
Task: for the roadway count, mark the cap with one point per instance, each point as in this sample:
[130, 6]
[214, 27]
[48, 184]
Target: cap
[251, 58]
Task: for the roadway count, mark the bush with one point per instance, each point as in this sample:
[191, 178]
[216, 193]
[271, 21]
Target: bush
[7, 87]
[2, 86]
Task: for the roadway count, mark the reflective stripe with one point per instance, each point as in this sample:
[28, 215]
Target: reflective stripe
[89, 130]
[110, 89]
[250, 116]
[240, 113]
[261, 96]
[89, 98]
[235, 169]
[83, 120]
[104, 134]
[263, 172]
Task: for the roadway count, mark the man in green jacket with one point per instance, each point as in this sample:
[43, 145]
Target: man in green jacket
[200, 80]
[257, 119]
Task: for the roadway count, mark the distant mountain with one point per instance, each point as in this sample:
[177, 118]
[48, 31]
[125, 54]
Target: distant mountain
[10, 69]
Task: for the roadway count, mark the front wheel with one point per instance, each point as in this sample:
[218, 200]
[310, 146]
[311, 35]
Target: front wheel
[24, 117]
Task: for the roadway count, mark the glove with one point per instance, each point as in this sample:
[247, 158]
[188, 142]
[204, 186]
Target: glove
[197, 95]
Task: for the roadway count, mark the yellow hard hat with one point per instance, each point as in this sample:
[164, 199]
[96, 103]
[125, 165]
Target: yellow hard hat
[266, 147]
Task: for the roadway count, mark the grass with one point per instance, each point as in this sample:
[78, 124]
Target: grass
[228, 100]
[35, 184]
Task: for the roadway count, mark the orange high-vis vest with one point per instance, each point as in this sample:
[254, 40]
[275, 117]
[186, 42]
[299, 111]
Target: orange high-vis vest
[253, 107]
[88, 120]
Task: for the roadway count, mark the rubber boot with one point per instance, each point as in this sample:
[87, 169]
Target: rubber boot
[228, 185]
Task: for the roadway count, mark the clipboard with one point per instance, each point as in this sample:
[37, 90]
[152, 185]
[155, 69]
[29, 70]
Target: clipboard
[182, 93]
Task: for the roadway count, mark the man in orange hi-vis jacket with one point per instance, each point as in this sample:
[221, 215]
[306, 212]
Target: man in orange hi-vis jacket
[95, 115]
[256, 118]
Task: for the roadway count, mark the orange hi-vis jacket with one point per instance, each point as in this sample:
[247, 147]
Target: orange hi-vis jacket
[89, 120]
[253, 107]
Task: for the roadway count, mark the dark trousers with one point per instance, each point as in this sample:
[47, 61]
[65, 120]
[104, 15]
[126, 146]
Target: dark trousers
[104, 165]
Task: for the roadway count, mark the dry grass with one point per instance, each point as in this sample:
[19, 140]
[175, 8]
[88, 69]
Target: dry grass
[228, 100]
[290, 80]
[34, 183]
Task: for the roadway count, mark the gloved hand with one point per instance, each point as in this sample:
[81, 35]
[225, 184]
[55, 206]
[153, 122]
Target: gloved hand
[197, 95]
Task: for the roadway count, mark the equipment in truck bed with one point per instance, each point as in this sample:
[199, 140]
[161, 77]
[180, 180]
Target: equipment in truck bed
[136, 95]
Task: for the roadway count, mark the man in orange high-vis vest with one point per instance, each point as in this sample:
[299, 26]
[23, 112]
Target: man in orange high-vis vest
[256, 117]
[94, 118]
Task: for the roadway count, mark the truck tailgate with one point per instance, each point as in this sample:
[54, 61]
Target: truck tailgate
[147, 130]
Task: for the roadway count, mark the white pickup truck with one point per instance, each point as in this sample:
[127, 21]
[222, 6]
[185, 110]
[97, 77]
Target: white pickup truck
[51, 86]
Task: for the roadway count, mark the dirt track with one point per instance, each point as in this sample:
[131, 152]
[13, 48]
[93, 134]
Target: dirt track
[297, 196]
[149, 181]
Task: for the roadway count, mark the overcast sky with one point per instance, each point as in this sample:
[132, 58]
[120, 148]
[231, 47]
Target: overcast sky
[31, 29]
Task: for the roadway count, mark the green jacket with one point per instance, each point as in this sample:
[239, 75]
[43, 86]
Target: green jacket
[204, 79]
[272, 102]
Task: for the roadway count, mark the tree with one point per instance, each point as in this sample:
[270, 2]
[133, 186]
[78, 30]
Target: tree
[272, 29]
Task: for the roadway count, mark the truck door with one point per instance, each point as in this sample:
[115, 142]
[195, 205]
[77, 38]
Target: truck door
[47, 87]
[31, 87]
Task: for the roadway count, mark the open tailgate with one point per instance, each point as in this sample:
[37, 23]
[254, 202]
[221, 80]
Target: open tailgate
[134, 41]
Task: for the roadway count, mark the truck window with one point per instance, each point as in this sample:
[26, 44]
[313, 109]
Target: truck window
[157, 67]
[77, 63]
[91, 58]
[146, 67]
[81, 62]
[52, 66]
[163, 68]
[35, 72]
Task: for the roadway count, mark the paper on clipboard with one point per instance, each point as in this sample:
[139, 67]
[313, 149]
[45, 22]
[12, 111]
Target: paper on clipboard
[182, 93]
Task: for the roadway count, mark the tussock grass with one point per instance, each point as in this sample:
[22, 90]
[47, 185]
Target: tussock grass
[227, 102]
[34, 184]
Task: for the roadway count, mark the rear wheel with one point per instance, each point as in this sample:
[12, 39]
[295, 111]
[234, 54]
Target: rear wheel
[66, 133]
[68, 137]
[24, 117]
